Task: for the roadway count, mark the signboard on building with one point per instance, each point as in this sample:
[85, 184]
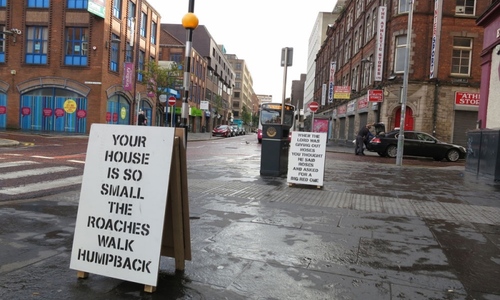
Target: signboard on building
[128, 76]
[122, 205]
[376, 95]
[204, 105]
[380, 42]
[323, 94]
[306, 158]
[469, 99]
[342, 92]
[436, 37]
[97, 7]
[362, 103]
[331, 83]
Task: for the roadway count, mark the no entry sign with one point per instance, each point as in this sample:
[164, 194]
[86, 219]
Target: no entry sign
[171, 100]
[313, 106]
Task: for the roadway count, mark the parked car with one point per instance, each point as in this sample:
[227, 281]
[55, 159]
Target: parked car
[241, 130]
[222, 130]
[416, 144]
[234, 129]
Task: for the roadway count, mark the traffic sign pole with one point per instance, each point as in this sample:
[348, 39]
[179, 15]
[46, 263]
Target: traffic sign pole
[171, 102]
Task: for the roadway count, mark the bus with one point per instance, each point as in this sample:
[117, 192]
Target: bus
[270, 113]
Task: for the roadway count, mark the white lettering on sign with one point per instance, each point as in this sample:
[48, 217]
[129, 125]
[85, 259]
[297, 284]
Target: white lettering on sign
[464, 98]
[306, 158]
[122, 202]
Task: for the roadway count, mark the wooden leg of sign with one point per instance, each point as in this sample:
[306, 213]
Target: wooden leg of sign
[81, 274]
[177, 223]
[149, 289]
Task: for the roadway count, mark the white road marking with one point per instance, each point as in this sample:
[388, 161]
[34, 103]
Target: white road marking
[33, 172]
[39, 156]
[17, 163]
[12, 154]
[77, 161]
[40, 186]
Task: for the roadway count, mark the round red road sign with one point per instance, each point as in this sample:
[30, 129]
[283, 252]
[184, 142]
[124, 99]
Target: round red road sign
[313, 106]
[171, 100]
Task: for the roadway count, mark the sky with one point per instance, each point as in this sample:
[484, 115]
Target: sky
[256, 31]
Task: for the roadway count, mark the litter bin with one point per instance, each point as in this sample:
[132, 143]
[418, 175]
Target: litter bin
[274, 150]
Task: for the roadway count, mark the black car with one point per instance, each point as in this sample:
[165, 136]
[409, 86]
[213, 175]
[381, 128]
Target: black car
[416, 144]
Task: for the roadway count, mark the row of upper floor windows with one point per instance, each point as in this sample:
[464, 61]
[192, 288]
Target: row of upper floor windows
[361, 75]
[351, 18]
[117, 13]
[76, 49]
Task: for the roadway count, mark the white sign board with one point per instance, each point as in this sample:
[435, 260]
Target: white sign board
[306, 158]
[119, 225]
[204, 105]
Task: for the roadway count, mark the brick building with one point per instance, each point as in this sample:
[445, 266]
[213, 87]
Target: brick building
[367, 48]
[62, 63]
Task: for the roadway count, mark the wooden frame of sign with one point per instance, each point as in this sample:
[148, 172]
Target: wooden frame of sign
[176, 239]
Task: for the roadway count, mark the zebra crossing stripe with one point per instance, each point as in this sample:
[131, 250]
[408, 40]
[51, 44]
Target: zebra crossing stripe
[41, 186]
[34, 172]
[17, 163]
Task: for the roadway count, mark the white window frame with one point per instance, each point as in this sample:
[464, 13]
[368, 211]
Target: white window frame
[400, 53]
[404, 6]
[466, 7]
[465, 53]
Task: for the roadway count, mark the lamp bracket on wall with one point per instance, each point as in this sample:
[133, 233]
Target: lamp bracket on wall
[13, 31]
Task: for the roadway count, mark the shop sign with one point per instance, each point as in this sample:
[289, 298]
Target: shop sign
[464, 98]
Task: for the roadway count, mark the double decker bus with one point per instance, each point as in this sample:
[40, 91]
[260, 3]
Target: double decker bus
[270, 113]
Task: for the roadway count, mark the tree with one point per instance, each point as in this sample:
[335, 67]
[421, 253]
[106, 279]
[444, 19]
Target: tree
[159, 78]
[217, 105]
[246, 116]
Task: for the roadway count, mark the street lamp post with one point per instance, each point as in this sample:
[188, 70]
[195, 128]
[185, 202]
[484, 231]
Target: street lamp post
[190, 22]
[399, 155]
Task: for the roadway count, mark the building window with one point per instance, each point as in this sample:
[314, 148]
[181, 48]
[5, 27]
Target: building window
[403, 6]
[153, 33]
[368, 29]
[400, 57]
[76, 46]
[36, 45]
[142, 57]
[238, 66]
[237, 85]
[465, 7]
[77, 4]
[3, 37]
[114, 63]
[462, 54]
[129, 52]
[176, 57]
[117, 9]
[359, 7]
[238, 75]
[354, 81]
[236, 94]
[144, 19]
[356, 41]
[38, 3]
[131, 14]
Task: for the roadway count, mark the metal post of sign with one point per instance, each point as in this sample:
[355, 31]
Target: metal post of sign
[172, 109]
[399, 155]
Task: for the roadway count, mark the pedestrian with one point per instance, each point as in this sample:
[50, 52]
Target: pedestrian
[361, 138]
[141, 118]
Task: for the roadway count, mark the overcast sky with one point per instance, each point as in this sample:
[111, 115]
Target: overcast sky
[256, 31]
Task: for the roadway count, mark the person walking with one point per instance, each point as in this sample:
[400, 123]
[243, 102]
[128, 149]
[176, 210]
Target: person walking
[141, 118]
[361, 138]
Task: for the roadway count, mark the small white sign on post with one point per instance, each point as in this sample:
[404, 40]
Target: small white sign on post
[120, 218]
[306, 158]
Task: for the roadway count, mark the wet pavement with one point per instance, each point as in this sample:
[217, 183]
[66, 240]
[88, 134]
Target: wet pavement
[374, 231]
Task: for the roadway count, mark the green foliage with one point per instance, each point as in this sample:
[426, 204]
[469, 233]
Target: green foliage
[246, 116]
[160, 78]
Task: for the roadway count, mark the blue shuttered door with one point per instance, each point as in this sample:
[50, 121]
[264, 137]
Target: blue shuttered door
[3, 110]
